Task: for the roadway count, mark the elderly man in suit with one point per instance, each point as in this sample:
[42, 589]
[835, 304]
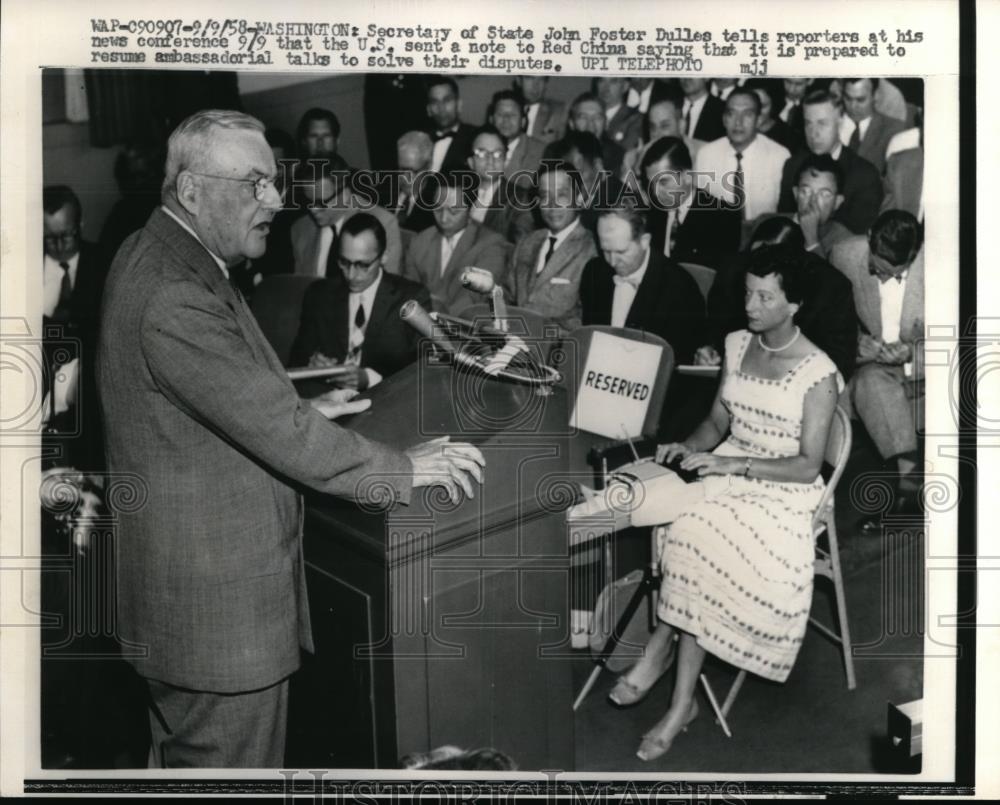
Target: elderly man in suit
[334, 195]
[546, 118]
[685, 223]
[199, 410]
[863, 129]
[546, 266]
[352, 318]
[862, 187]
[438, 256]
[452, 138]
[887, 272]
[524, 152]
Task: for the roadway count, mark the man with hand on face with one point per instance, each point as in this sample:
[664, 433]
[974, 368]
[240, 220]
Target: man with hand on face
[199, 411]
[438, 256]
[351, 318]
[452, 138]
[546, 266]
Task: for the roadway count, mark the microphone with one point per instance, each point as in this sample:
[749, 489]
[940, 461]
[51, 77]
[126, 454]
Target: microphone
[478, 279]
[414, 314]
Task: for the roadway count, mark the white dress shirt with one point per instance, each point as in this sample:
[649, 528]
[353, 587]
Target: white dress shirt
[484, 200]
[441, 148]
[53, 277]
[511, 148]
[789, 106]
[560, 239]
[625, 290]
[890, 295]
[531, 110]
[763, 160]
[356, 335]
[448, 245]
[640, 100]
[692, 112]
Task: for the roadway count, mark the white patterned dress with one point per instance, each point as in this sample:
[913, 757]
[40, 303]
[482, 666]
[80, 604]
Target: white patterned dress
[738, 564]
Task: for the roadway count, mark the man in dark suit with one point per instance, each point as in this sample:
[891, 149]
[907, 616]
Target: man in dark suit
[862, 188]
[587, 114]
[200, 412]
[624, 124]
[702, 111]
[631, 285]
[827, 315]
[701, 229]
[546, 118]
[352, 317]
[644, 92]
[870, 131]
[438, 256]
[452, 138]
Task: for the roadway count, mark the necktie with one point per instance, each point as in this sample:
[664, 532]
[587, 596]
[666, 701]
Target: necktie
[359, 317]
[855, 138]
[687, 118]
[443, 135]
[552, 248]
[65, 294]
[670, 237]
[738, 184]
[447, 250]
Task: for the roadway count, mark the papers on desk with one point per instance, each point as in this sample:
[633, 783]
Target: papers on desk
[313, 372]
[697, 371]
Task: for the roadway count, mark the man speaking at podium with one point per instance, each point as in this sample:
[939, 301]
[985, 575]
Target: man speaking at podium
[199, 410]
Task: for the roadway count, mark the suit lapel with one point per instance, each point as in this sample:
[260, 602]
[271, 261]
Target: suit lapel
[867, 299]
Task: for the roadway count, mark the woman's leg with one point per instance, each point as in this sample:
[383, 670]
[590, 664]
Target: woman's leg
[655, 656]
[682, 710]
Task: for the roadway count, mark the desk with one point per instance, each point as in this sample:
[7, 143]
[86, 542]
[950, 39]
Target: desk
[438, 624]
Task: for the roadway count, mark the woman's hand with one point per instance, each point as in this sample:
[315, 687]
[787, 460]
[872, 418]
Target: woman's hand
[711, 464]
[665, 453]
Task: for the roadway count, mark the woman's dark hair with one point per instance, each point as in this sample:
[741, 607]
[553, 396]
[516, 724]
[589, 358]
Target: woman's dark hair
[787, 263]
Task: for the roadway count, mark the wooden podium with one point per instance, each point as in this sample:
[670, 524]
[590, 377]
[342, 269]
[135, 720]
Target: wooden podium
[438, 624]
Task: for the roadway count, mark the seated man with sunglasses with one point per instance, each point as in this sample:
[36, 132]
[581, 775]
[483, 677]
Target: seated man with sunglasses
[352, 316]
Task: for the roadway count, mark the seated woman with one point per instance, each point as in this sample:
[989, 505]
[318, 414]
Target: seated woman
[737, 557]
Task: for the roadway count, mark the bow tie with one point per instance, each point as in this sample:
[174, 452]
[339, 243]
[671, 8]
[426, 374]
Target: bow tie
[441, 135]
[884, 278]
[629, 280]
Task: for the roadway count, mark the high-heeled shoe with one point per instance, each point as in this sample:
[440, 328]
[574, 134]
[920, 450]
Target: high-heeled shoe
[656, 746]
[626, 694]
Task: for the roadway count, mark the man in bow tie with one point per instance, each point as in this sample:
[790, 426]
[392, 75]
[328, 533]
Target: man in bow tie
[886, 269]
[452, 138]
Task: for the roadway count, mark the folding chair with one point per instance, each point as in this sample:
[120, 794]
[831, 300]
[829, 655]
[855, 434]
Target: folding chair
[827, 563]
[702, 275]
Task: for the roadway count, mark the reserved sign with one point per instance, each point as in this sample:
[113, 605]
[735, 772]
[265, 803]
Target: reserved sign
[615, 386]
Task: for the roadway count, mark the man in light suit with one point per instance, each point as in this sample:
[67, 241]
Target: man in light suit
[524, 152]
[624, 123]
[546, 118]
[887, 272]
[352, 317]
[904, 182]
[865, 130]
[546, 266]
[438, 256]
[336, 195]
[199, 410]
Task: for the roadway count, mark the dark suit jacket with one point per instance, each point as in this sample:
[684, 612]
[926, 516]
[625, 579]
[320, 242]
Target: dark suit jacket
[862, 189]
[667, 303]
[510, 215]
[827, 316]
[881, 129]
[390, 343]
[785, 135]
[206, 430]
[550, 122]
[479, 246]
[458, 153]
[707, 234]
[709, 126]
[625, 128]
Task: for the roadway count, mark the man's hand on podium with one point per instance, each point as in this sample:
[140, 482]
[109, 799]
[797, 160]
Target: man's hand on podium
[441, 461]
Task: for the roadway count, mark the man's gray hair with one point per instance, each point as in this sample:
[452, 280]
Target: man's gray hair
[418, 141]
[190, 143]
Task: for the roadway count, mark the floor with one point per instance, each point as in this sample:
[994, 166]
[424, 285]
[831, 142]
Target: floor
[812, 723]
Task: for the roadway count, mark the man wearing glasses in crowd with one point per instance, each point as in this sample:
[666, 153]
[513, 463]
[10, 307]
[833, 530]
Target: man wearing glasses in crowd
[203, 419]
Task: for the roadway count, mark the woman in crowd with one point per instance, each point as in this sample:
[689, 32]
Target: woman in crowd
[737, 555]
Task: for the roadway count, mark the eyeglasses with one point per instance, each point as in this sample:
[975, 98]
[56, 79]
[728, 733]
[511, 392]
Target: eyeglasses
[260, 185]
[482, 153]
[347, 265]
[63, 237]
